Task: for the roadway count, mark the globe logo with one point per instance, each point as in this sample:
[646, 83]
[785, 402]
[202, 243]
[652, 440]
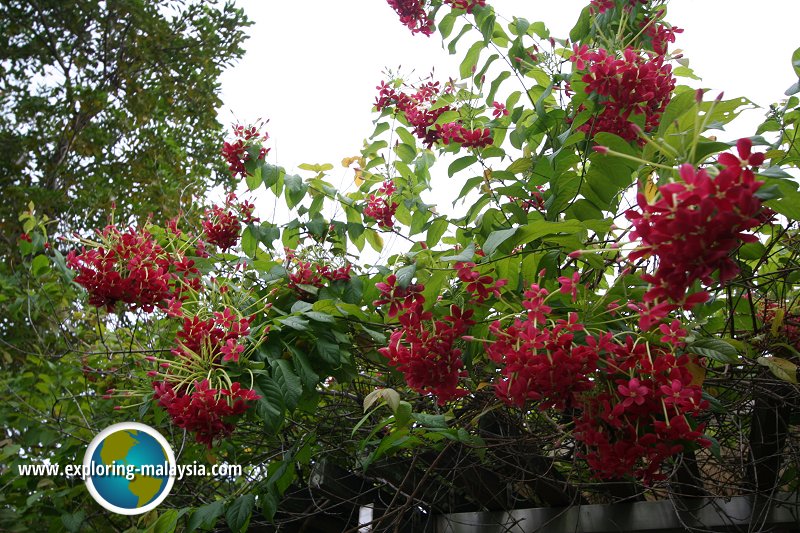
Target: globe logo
[129, 468]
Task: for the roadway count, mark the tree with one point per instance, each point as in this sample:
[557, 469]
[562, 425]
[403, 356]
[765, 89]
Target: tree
[608, 316]
[110, 102]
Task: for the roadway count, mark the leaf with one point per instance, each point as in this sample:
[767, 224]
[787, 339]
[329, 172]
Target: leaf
[582, 27]
[295, 190]
[270, 406]
[796, 62]
[167, 522]
[316, 167]
[239, 512]
[288, 381]
[466, 255]
[460, 164]
[405, 152]
[294, 322]
[470, 60]
[374, 239]
[253, 179]
[40, 265]
[390, 396]
[716, 349]
[435, 231]
[781, 368]
[206, 516]
[72, 522]
[496, 238]
[405, 275]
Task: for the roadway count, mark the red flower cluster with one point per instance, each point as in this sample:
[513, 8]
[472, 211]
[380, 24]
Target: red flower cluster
[639, 415]
[629, 401]
[396, 296]
[236, 153]
[413, 15]
[455, 132]
[660, 36]
[215, 339]
[312, 274]
[466, 5]
[627, 86]
[539, 362]
[129, 267]
[601, 6]
[380, 205]
[422, 348]
[696, 224]
[223, 223]
[480, 287]
[415, 107]
[204, 411]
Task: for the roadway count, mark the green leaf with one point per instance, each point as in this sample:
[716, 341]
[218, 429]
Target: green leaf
[716, 349]
[270, 406]
[40, 265]
[288, 381]
[316, 167]
[405, 275]
[470, 60]
[239, 512]
[496, 238]
[206, 516]
[328, 351]
[446, 24]
[435, 231]
[582, 27]
[295, 190]
[466, 255]
[677, 107]
[495, 85]
[460, 164]
[253, 179]
[405, 152]
[374, 239]
[539, 228]
[167, 522]
[294, 322]
[72, 522]
[781, 368]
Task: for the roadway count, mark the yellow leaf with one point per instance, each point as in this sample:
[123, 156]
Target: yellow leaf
[783, 369]
[650, 189]
[697, 370]
[487, 178]
[777, 322]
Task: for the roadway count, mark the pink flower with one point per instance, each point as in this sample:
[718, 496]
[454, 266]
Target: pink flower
[634, 392]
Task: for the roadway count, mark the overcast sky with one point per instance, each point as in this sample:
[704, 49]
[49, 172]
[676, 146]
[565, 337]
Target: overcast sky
[312, 66]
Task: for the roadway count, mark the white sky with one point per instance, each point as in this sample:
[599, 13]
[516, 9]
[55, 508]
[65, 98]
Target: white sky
[312, 66]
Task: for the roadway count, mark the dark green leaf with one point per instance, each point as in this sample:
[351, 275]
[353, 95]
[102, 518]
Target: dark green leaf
[239, 512]
[496, 238]
[206, 516]
[716, 349]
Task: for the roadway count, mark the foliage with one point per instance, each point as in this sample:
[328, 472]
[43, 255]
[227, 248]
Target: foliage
[606, 313]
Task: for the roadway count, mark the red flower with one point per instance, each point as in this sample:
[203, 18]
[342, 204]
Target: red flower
[236, 154]
[570, 285]
[130, 267]
[746, 157]
[412, 15]
[499, 110]
[222, 224]
[634, 392]
[630, 85]
[466, 5]
[205, 411]
[380, 207]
